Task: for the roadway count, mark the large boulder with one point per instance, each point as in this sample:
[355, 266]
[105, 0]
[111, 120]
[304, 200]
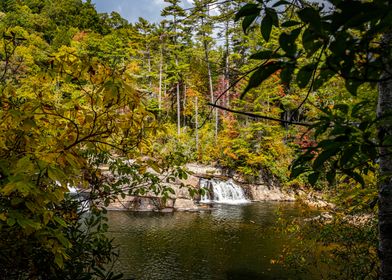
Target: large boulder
[265, 193]
[183, 204]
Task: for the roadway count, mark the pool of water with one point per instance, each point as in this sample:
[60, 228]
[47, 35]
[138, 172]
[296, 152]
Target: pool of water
[229, 242]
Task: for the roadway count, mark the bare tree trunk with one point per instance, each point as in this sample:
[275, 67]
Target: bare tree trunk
[227, 63]
[385, 188]
[207, 58]
[211, 86]
[160, 79]
[178, 97]
[165, 91]
[184, 102]
[149, 67]
[178, 108]
[197, 123]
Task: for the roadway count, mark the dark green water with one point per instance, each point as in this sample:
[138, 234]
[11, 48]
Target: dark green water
[230, 242]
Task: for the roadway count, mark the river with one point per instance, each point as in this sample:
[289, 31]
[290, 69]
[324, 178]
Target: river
[229, 242]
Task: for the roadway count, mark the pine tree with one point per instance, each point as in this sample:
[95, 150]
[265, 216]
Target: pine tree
[176, 14]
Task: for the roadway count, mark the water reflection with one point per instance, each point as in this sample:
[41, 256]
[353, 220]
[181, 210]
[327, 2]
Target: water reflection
[230, 242]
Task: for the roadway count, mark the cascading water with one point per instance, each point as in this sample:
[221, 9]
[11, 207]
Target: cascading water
[222, 192]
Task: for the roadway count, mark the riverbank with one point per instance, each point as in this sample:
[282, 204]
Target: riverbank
[182, 200]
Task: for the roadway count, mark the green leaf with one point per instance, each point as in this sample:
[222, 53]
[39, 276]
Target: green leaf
[348, 154]
[16, 201]
[287, 73]
[58, 259]
[357, 109]
[287, 41]
[265, 55]
[56, 174]
[247, 10]
[357, 177]
[327, 144]
[313, 177]
[324, 156]
[373, 203]
[11, 222]
[322, 78]
[117, 277]
[266, 27]
[290, 23]
[311, 42]
[261, 74]
[331, 176]
[281, 3]
[24, 223]
[311, 16]
[342, 108]
[24, 165]
[339, 44]
[295, 172]
[248, 20]
[9, 188]
[60, 221]
[305, 74]
[273, 15]
[63, 240]
[352, 86]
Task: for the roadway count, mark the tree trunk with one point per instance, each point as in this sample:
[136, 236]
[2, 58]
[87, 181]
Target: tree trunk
[184, 102]
[178, 109]
[197, 124]
[149, 68]
[160, 79]
[227, 63]
[385, 188]
[211, 86]
[207, 58]
[178, 97]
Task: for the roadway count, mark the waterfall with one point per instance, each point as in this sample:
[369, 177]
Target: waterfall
[222, 192]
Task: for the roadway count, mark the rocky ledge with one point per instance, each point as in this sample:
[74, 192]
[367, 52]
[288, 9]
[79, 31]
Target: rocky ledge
[182, 201]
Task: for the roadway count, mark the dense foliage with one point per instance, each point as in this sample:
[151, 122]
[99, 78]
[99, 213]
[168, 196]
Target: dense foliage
[69, 105]
[82, 93]
[351, 42]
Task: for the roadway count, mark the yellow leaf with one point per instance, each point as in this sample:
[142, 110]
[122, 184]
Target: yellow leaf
[3, 217]
[9, 188]
[58, 259]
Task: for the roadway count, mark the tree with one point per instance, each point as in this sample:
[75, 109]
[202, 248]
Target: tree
[177, 13]
[351, 40]
[65, 111]
[145, 30]
[204, 31]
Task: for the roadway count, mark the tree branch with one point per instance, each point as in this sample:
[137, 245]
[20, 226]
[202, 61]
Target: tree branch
[252, 115]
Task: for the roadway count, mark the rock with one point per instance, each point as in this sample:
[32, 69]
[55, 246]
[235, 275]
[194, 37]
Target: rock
[191, 181]
[166, 210]
[265, 193]
[183, 204]
[180, 192]
[140, 203]
[203, 169]
[315, 200]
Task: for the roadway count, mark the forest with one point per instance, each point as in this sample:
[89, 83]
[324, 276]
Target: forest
[297, 94]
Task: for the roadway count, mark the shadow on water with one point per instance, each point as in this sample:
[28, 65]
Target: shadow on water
[232, 242]
[248, 275]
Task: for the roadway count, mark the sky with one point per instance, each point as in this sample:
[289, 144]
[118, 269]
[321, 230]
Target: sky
[133, 9]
